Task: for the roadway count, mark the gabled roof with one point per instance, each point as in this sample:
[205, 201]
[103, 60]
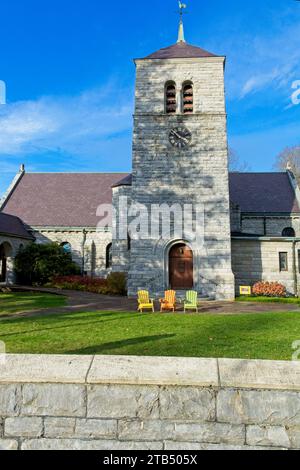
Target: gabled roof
[263, 192]
[61, 199]
[72, 199]
[13, 226]
[181, 50]
[258, 192]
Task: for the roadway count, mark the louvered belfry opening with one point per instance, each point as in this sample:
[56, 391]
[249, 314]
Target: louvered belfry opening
[188, 98]
[171, 98]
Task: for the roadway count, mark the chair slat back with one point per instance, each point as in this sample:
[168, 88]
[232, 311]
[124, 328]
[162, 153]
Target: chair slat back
[192, 297]
[170, 296]
[143, 297]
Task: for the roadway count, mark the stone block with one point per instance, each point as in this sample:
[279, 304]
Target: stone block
[53, 400]
[215, 433]
[173, 445]
[293, 433]
[276, 436]
[145, 430]
[259, 407]
[59, 427]
[96, 428]
[9, 400]
[23, 427]
[19, 368]
[187, 403]
[8, 444]
[78, 444]
[281, 375]
[153, 371]
[117, 401]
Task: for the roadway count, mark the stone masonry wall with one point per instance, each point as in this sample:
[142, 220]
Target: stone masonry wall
[255, 260]
[132, 403]
[272, 227]
[95, 245]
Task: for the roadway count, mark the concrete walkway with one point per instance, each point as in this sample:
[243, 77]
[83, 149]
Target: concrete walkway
[88, 302]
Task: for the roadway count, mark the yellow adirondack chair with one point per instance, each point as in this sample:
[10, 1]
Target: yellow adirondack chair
[145, 303]
[191, 301]
[169, 302]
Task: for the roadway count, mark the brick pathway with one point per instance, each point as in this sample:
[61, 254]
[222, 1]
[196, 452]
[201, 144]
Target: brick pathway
[88, 302]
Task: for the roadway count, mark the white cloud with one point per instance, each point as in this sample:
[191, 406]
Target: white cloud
[268, 59]
[75, 126]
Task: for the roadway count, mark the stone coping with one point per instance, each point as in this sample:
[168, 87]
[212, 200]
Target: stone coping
[131, 370]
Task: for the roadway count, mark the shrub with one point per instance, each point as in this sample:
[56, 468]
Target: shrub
[115, 284]
[38, 263]
[269, 289]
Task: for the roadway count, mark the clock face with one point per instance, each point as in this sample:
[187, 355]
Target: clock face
[180, 137]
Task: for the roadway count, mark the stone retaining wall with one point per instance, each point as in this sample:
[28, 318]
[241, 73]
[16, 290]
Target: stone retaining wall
[130, 403]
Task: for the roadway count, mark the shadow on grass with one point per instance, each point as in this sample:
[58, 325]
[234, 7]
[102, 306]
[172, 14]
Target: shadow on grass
[106, 347]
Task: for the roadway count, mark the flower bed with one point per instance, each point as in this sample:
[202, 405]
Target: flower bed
[115, 284]
[269, 289]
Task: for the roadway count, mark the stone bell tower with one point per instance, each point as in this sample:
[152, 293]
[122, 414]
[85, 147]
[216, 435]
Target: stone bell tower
[180, 156]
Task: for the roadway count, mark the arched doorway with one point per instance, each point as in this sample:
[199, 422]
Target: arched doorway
[181, 267]
[5, 253]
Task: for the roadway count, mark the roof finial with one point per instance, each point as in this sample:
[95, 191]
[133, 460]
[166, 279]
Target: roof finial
[182, 6]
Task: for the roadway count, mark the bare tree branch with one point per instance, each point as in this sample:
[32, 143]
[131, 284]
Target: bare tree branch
[289, 158]
[235, 164]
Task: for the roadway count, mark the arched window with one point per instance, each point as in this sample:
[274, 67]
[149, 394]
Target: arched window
[67, 247]
[170, 98]
[109, 256]
[187, 98]
[288, 232]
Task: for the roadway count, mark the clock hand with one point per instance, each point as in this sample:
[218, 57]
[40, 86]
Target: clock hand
[180, 137]
[176, 134]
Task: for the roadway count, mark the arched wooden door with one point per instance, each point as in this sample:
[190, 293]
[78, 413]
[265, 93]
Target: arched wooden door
[181, 267]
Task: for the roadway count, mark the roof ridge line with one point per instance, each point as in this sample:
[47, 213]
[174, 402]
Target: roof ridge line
[11, 188]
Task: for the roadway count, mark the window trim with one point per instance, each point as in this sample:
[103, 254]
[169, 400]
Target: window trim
[184, 85]
[288, 236]
[170, 83]
[108, 256]
[281, 269]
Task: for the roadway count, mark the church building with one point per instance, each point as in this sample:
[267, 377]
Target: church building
[250, 222]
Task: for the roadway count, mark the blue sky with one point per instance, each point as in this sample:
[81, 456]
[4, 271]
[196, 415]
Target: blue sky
[70, 77]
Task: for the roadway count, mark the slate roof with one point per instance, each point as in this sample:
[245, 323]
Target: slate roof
[13, 226]
[263, 192]
[258, 192]
[71, 199]
[61, 199]
[181, 50]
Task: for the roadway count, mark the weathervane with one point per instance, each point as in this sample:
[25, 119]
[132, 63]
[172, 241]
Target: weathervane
[182, 7]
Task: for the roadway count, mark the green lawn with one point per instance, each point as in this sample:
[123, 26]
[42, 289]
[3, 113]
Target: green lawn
[23, 302]
[256, 336]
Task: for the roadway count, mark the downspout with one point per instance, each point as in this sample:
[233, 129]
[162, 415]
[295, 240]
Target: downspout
[295, 269]
[83, 251]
